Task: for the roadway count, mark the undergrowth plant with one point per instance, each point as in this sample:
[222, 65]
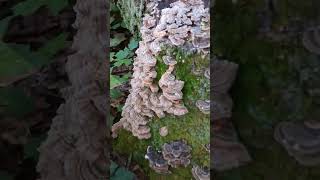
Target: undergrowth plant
[18, 61]
[123, 46]
[122, 52]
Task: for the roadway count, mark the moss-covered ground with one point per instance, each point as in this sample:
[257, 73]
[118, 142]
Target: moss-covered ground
[268, 87]
[194, 127]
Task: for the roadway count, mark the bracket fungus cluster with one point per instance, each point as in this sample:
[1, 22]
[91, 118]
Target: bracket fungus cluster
[200, 173]
[301, 141]
[203, 106]
[228, 151]
[156, 161]
[175, 154]
[76, 146]
[182, 24]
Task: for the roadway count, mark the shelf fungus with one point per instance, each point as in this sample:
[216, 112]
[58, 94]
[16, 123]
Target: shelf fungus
[311, 39]
[301, 140]
[156, 161]
[177, 24]
[228, 151]
[177, 153]
[224, 73]
[200, 173]
[203, 106]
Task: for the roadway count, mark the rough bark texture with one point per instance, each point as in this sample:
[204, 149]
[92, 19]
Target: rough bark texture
[75, 147]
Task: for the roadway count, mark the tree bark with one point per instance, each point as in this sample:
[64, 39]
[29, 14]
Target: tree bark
[76, 147]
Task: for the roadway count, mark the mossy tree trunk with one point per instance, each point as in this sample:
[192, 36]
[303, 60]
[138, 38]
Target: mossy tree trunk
[194, 127]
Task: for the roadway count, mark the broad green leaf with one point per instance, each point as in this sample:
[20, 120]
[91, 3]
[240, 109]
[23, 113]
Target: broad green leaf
[112, 19]
[133, 44]
[123, 25]
[112, 56]
[4, 25]
[116, 81]
[18, 61]
[115, 26]
[31, 57]
[12, 65]
[14, 102]
[120, 62]
[119, 107]
[30, 6]
[115, 93]
[122, 54]
[56, 5]
[113, 7]
[120, 173]
[27, 7]
[127, 76]
[117, 39]
[54, 45]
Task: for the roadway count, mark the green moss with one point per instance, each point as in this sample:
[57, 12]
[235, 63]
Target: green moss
[195, 87]
[194, 127]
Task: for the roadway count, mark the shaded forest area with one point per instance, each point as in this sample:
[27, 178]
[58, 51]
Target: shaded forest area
[276, 78]
[35, 41]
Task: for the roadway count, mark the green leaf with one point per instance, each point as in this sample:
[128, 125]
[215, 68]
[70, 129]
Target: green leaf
[112, 19]
[122, 61]
[117, 39]
[120, 173]
[115, 93]
[30, 6]
[13, 65]
[14, 102]
[56, 5]
[133, 44]
[113, 7]
[18, 61]
[115, 26]
[54, 45]
[119, 107]
[31, 57]
[126, 76]
[4, 25]
[27, 7]
[122, 54]
[116, 81]
[112, 56]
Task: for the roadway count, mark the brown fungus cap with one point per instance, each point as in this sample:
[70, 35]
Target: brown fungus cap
[177, 153]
